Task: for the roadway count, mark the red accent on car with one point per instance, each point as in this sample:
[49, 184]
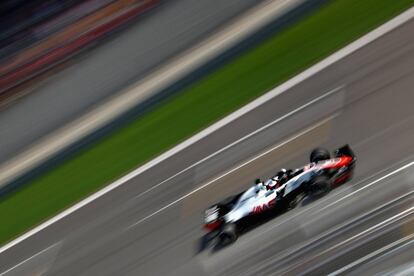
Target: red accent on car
[213, 225]
[342, 162]
[272, 202]
[263, 207]
[342, 179]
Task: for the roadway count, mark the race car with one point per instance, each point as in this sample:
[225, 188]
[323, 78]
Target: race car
[280, 193]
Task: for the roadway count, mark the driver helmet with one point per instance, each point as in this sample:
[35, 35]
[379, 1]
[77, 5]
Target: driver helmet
[281, 177]
[278, 180]
[271, 183]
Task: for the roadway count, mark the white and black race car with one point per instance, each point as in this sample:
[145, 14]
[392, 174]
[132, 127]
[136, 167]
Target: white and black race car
[280, 193]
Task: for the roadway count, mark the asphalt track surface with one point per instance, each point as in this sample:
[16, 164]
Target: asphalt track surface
[364, 100]
[128, 56]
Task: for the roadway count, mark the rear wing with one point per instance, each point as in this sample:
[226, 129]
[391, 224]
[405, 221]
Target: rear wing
[345, 151]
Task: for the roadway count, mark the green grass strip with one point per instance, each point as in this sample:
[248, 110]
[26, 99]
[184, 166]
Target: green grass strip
[233, 85]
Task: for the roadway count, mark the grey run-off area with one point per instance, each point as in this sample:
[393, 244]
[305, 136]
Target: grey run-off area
[124, 232]
[274, 14]
[155, 38]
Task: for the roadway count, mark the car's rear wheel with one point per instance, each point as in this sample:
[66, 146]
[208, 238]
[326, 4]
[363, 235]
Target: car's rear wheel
[320, 185]
[229, 234]
[319, 154]
[292, 204]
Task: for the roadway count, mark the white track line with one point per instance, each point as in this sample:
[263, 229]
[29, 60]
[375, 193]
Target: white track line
[251, 134]
[220, 41]
[363, 41]
[337, 229]
[380, 225]
[232, 170]
[323, 201]
[370, 230]
[408, 240]
[370, 184]
[28, 259]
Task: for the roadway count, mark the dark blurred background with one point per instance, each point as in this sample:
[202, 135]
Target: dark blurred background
[38, 35]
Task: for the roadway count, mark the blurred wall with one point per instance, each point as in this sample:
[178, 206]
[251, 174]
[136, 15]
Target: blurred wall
[36, 37]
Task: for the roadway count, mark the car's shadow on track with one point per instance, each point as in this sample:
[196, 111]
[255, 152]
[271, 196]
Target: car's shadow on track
[211, 241]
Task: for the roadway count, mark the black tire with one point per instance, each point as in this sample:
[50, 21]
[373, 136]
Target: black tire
[319, 154]
[294, 202]
[320, 185]
[229, 234]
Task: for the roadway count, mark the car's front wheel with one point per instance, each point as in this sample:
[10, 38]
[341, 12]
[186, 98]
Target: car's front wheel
[229, 234]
